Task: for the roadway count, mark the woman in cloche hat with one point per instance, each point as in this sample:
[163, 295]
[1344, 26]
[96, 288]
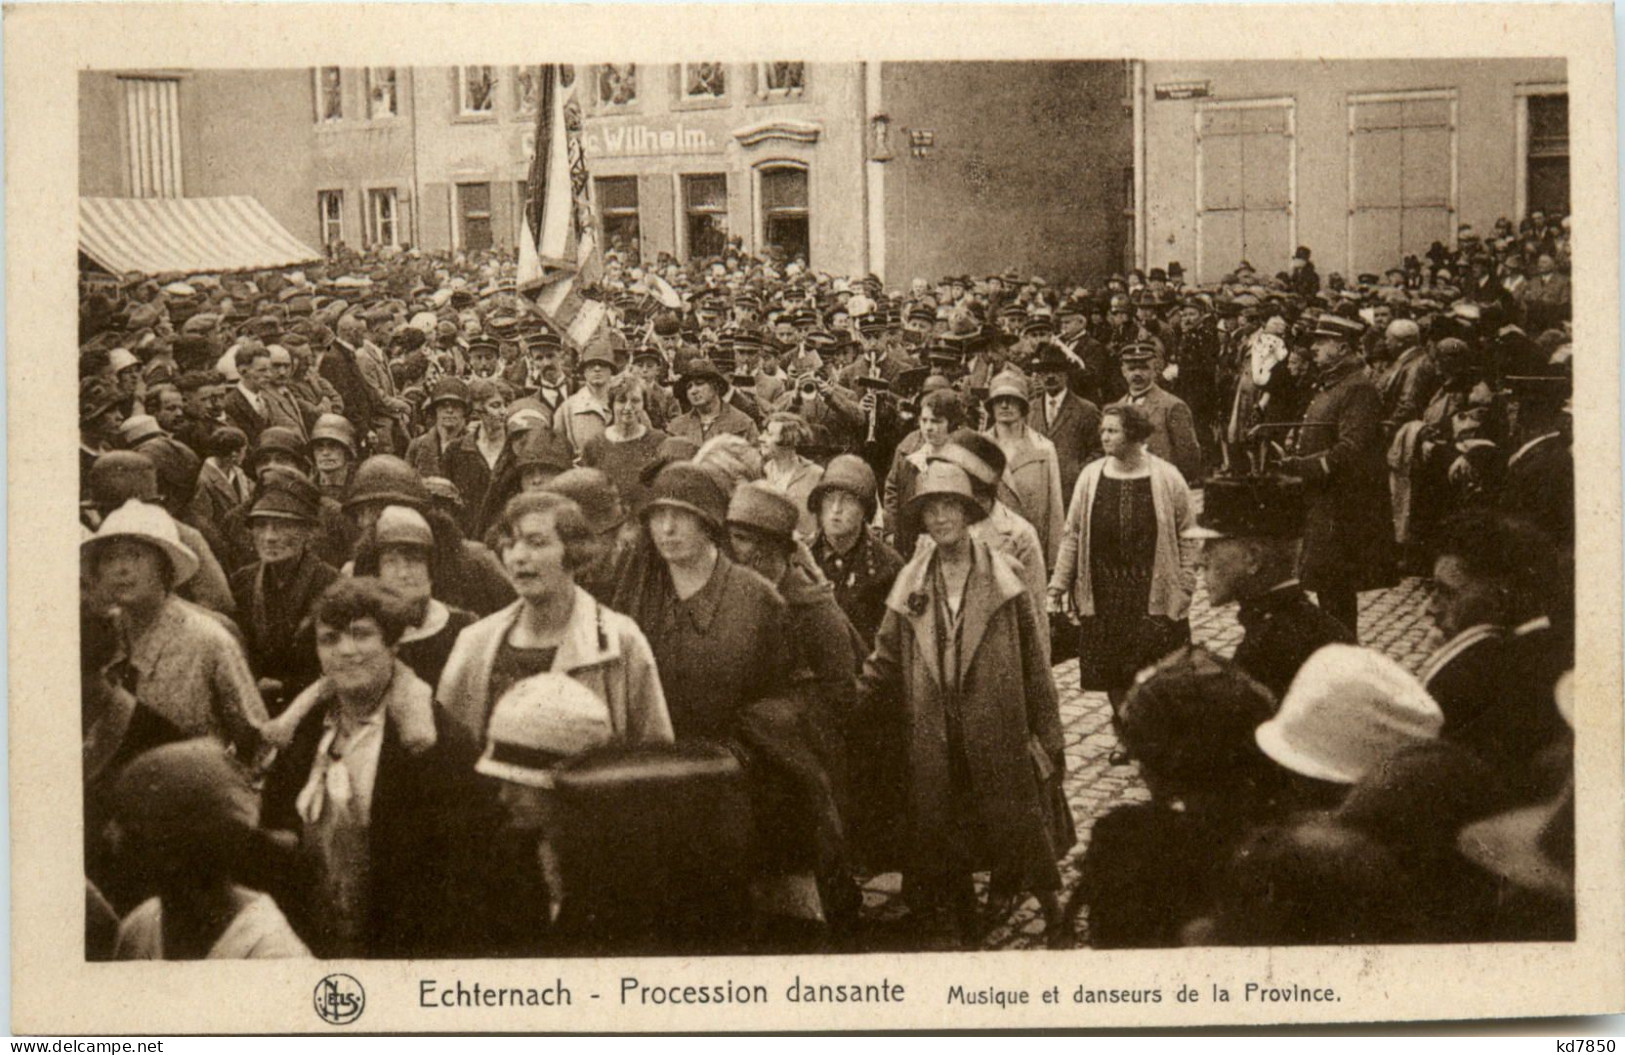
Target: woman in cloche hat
[959, 657]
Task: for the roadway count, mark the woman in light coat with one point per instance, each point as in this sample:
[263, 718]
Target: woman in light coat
[555, 626]
[1031, 486]
[1123, 567]
[959, 668]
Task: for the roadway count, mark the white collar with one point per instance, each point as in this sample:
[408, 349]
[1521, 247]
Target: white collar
[435, 619]
[1455, 647]
[1521, 451]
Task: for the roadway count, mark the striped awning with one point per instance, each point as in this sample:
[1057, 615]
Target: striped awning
[186, 235]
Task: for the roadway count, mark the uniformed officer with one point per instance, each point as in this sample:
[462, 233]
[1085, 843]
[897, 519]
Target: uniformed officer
[1253, 532]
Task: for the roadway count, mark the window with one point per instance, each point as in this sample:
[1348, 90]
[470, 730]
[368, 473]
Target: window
[382, 100]
[474, 205]
[618, 207]
[784, 212]
[476, 90]
[705, 80]
[329, 94]
[1402, 176]
[617, 84]
[783, 79]
[152, 136]
[330, 210]
[705, 207]
[527, 88]
[1548, 156]
[383, 206]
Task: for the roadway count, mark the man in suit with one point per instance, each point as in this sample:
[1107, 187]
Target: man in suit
[1539, 480]
[1492, 573]
[1069, 421]
[752, 357]
[1252, 529]
[246, 406]
[1545, 298]
[1173, 436]
[1341, 455]
[372, 365]
[449, 409]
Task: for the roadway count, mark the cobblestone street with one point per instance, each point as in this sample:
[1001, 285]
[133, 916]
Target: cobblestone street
[1394, 621]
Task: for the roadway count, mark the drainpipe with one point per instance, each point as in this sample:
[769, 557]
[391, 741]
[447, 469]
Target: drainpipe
[1142, 247]
[417, 187]
[875, 156]
[863, 157]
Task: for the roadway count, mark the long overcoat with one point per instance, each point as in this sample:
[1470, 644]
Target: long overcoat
[1010, 721]
[1348, 541]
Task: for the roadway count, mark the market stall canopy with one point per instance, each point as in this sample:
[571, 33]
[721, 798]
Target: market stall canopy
[185, 235]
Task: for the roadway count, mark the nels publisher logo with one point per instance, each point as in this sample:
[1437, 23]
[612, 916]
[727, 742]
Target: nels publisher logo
[339, 999]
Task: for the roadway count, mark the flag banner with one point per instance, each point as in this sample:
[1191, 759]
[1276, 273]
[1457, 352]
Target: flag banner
[558, 249]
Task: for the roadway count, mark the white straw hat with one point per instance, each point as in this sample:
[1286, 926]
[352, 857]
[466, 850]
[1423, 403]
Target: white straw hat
[538, 723]
[1347, 710]
[148, 523]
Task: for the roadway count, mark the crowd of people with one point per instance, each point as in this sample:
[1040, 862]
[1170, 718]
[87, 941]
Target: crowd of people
[412, 627]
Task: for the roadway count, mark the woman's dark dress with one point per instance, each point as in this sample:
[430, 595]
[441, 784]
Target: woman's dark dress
[1120, 639]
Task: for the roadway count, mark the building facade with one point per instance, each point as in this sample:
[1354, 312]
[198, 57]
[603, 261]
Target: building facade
[1364, 162]
[996, 165]
[900, 169]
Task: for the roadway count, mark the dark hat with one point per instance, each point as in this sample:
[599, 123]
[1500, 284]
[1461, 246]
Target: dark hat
[1050, 356]
[1037, 325]
[1260, 506]
[849, 473]
[97, 395]
[1339, 328]
[118, 476]
[908, 381]
[544, 448]
[450, 390]
[671, 449]
[592, 490]
[684, 485]
[1548, 390]
[1137, 352]
[543, 339]
[278, 438]
[287, 495]
[647, 352]
[444, 493]
[666, 324]
[980, 457]
[745, 341]
[334, 428]
[703, 370]
[388, 479]
[480, 344]
[760, 508]
[597, 352]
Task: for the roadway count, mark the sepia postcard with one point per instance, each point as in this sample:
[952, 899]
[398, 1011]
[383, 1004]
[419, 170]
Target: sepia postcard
[812, 518]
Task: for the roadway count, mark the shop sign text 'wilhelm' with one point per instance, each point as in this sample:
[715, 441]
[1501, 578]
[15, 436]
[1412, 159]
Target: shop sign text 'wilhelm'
[638, 140]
